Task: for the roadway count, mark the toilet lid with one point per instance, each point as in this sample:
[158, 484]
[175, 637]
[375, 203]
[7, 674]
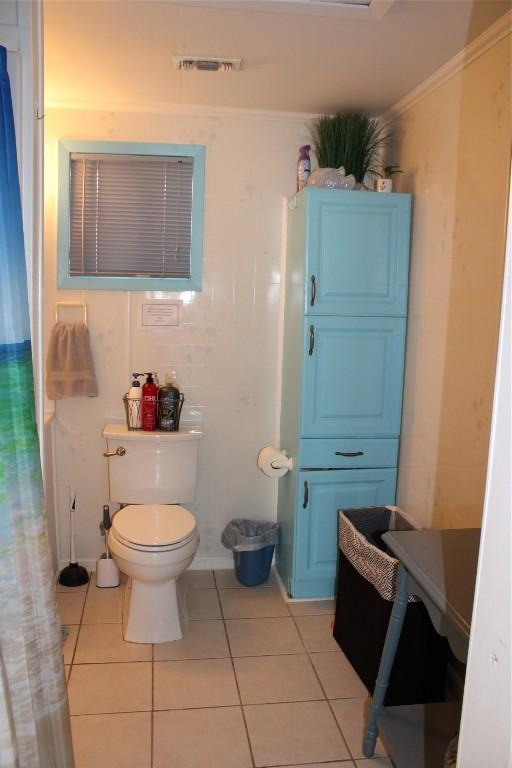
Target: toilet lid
[154, 525]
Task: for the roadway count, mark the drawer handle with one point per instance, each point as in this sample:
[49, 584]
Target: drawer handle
[349, 454]
[311, 339]
[313, 290]
[306, 495]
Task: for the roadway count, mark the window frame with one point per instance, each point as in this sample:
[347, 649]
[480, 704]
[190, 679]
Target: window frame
[108, 283]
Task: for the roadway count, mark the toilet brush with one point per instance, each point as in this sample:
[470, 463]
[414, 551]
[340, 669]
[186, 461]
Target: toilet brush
[107, 572]
[73, 575]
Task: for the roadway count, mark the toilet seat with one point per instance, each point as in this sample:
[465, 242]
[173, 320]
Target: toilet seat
[154, 527]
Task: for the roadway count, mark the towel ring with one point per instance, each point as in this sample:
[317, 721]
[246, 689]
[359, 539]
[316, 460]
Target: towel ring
[70, 304]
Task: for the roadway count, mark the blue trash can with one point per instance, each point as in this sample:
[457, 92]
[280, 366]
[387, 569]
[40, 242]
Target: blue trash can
[252, 543]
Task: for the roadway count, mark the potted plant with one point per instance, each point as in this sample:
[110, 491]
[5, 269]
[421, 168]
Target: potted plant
[385, 182]
[350, 142]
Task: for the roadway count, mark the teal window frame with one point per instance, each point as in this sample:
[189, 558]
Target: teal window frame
[105, 283]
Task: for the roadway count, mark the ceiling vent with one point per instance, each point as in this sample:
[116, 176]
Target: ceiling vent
[206, 63]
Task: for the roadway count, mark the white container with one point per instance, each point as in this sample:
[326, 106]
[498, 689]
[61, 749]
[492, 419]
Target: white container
[332, 178]
[107, 572]
[384, 185]
[156, 467]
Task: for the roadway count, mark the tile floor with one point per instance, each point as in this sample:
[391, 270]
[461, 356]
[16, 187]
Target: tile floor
[254, 682]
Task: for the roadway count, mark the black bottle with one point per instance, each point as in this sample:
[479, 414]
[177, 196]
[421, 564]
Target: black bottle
[169, 404]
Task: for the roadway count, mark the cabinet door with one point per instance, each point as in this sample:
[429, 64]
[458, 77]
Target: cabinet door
[352, 376]
[320, 495]
[357, 253]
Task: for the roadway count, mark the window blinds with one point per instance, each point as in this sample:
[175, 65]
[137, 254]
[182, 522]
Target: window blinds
[130, 215]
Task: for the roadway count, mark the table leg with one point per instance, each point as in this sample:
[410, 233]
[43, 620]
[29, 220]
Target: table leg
[395, 625]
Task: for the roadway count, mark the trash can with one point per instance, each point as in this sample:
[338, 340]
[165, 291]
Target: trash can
[252, 543]
[367, 579]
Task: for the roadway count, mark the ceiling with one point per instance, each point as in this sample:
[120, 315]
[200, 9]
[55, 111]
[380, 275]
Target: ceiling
[119, 52]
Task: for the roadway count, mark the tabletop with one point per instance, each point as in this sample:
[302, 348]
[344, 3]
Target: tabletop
[444, 564]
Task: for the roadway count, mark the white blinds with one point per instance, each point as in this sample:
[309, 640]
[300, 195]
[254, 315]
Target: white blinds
[130, 215]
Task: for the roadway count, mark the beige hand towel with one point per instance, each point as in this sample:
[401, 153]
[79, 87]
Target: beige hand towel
[69, 364]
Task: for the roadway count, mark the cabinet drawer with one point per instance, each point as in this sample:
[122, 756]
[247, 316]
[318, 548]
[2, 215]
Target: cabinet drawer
[347, 453]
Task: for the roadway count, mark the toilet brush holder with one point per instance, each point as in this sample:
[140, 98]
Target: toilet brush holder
[107, 572]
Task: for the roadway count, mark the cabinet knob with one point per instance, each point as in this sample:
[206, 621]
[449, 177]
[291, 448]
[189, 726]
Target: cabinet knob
[313, 290]
[311, 339]
[349, 453]
[306, 495]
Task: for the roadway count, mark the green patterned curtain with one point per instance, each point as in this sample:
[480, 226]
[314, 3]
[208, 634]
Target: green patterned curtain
[34, 719]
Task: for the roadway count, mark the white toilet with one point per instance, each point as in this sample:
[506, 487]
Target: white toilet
[154, 538]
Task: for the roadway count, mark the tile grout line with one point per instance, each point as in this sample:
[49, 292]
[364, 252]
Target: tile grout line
[327, 763]
[234, 673]
[121, 712]
[324, 691]
[221, 706]
[86, 592]
[152, 716]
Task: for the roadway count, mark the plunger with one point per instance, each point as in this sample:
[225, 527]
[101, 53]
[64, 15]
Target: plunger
[73, 575]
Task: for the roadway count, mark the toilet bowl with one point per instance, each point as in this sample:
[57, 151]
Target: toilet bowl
[153, 544]
[153, 537]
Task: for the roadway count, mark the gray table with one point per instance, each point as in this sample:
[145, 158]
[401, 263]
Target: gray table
[440, 568]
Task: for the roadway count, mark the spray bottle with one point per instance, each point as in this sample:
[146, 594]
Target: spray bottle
[303, 167]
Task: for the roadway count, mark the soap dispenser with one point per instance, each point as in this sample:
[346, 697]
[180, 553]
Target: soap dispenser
[134, 403]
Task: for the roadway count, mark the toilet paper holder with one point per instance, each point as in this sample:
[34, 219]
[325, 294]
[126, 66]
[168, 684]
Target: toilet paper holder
[273, 462]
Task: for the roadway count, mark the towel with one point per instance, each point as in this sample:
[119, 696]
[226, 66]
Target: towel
[69, 364]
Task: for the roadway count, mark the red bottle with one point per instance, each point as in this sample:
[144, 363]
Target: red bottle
[148, 404]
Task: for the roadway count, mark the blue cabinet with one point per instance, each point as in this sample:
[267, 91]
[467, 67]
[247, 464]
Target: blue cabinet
[316, 527]
[352, 376]
[343, 361]
[364, 271]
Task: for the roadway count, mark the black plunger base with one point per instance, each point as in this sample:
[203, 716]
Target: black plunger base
[73, 575]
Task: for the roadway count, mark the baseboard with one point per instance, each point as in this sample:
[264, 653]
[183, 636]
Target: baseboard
[89, 564]
[288, 599]
[198, 564]
[280, 584]
[204, 563]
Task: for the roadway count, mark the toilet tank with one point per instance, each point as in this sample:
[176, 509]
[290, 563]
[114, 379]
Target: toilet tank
[157, 467]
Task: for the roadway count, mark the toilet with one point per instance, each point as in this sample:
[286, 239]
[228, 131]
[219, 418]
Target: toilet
[153, 538]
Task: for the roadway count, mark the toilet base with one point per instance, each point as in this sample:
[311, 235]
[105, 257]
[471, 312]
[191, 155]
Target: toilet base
[150, 613]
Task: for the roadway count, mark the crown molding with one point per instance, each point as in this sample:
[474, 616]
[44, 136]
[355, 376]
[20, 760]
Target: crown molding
[373, 10]
[493, 35]
[187, 110]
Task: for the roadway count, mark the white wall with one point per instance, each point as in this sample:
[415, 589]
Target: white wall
[454, 147]
[225, 352]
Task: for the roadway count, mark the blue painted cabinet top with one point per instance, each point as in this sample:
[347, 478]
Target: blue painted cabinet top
[357, 252]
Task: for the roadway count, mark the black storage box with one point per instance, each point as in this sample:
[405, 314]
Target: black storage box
[366, 589]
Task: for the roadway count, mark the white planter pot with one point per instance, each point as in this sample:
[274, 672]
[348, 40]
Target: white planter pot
[384, 185]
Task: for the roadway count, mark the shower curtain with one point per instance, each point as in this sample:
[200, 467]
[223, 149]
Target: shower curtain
[34, 719]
